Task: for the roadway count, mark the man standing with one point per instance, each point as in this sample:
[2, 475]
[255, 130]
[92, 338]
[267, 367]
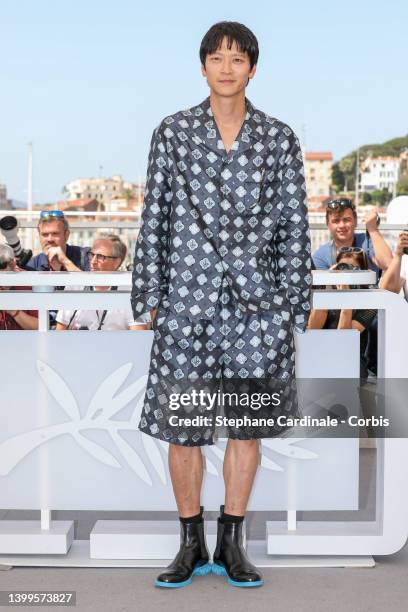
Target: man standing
[222, 262]
[53, 230]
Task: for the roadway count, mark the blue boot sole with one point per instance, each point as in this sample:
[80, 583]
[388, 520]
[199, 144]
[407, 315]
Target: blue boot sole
[200, 570]
[219, 570]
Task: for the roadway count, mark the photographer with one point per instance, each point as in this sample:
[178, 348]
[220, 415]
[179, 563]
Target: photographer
[14, 319]
[341, 219]
[106, 255]
[348, 258]
[395, 278]
[53, 231]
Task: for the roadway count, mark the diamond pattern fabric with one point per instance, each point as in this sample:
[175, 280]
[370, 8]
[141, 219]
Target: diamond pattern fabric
[209, 214]
[224, 252]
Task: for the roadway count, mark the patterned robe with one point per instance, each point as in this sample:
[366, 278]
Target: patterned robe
[224, 236]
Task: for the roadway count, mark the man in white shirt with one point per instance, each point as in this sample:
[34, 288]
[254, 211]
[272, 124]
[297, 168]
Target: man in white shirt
[396, 277]
[106, 255]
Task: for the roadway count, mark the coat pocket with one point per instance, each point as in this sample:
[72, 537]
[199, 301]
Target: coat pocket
[252, 198]
[259, 197]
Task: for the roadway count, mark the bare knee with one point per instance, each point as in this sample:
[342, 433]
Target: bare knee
[184, 453]
[243, 445]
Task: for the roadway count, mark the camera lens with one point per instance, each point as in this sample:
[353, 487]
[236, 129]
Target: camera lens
[8, 223]
[345, 266]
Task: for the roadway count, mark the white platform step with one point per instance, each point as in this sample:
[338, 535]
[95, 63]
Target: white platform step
[27, 538]
[328, 537]
[78, 556]
[142, 539]
[257, 552]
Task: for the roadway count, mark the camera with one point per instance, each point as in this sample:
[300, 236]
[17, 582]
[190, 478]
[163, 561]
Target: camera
[9, 227]
[345, 266]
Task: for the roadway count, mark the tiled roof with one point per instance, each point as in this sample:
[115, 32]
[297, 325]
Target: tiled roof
[316, 156]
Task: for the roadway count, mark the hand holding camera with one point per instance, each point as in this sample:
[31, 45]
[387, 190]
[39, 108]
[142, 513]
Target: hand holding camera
[342, 267]
[402, 244]
[372, 221]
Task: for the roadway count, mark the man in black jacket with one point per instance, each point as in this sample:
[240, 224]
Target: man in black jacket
[57, 254]
[223, 263]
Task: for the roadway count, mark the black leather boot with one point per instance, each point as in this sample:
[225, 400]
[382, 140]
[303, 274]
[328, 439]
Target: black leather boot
[230, 558]
[191, 560]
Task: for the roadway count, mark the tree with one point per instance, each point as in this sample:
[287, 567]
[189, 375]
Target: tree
[402, 186]
[128, 194]
[367, 197]
[381, 196]
[347, 166]
[338, 179]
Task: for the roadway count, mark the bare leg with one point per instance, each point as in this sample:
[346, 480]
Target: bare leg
[186, 471]
[240, 465]
[229, 558]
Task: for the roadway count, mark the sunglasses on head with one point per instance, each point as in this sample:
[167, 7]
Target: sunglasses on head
[358, 252]
[350, 249]
[340, 204]
[57, 214]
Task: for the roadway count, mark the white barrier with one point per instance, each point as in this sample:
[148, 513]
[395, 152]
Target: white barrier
[69, 437]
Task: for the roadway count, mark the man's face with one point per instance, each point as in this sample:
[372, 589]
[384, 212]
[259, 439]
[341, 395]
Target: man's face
[101, 257]
[227, 70]
[52, 233]
[341, 225]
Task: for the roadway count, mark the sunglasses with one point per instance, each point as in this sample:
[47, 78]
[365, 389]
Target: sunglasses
[351, 249]
[99, 257]
[340, 204]
[57, 214]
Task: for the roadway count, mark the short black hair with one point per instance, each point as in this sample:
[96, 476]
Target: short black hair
[235, 33]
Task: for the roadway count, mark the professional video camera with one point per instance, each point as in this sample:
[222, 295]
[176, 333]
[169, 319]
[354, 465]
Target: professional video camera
[9, 229]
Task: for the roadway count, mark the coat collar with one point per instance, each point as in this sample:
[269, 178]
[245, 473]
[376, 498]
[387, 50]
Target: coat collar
[206, 133]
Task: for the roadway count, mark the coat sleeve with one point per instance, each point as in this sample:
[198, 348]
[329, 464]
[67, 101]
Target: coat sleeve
[150, 269]
[292, 238]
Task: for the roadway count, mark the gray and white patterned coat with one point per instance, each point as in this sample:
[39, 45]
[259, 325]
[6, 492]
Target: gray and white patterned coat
[209, 215]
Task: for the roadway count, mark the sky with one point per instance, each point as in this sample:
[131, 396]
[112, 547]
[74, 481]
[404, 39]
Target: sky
[87, 81]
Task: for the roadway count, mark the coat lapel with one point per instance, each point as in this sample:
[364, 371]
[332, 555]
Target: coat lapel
[204, 130]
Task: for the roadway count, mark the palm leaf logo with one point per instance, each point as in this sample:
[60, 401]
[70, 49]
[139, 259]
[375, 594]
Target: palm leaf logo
[107, 401]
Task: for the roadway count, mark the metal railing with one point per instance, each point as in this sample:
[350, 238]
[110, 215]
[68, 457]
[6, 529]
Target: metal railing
[127, 223]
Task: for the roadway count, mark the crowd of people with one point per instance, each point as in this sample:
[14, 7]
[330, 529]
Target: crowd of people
[360, 250]
[106, 254]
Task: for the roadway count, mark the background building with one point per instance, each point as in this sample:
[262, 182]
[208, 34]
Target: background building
[318, 173]
[380, 173]
[4, 203]
[104, 191]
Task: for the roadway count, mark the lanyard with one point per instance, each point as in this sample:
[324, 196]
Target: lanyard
[102, 319]
[104, 313]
